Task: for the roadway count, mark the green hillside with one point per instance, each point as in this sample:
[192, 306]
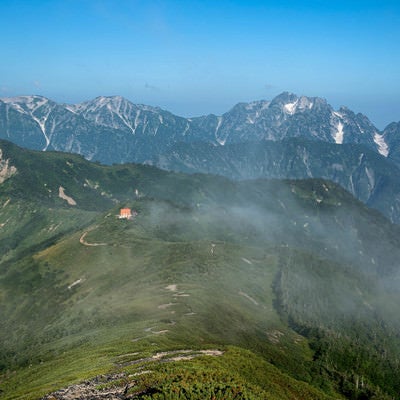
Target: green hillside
[251, 290]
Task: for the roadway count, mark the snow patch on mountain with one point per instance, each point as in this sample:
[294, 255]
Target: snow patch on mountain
[220, 140]
[250, 119]
[30, 105]
[337, 122]
[120, 110]
[338, 136]
[383, 148]
[338, 114]
[136, 123]
[25, 104]
[71, 107]
[299, 105]
[42, 124]
[290, 108]
[186, 128]
[371, 178]
[218, 125]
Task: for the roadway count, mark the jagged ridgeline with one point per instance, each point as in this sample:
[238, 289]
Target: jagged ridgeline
[288, 137]
[264, 289]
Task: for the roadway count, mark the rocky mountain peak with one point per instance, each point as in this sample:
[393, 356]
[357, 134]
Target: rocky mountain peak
[284, 98]
[26, 104]
[291, 104]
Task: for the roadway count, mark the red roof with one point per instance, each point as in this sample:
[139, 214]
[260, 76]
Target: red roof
[125, 211]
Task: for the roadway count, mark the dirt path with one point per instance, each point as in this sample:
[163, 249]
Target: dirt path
[174, 355]
[77, 282]
[248, 297]
[85, 243]
[167, 305]
[172, 288]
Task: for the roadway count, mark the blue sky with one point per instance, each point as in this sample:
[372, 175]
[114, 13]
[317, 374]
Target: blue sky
[198, 57]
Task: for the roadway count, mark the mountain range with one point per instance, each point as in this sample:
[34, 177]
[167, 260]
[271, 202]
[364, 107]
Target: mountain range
[139, 132]
[287, 137]
[261, 289]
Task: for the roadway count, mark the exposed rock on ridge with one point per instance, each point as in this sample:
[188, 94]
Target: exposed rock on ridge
[6, 170]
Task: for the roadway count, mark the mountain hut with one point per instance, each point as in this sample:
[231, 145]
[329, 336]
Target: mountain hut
[125, 213]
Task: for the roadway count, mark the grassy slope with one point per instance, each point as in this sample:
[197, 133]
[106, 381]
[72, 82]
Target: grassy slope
[224, 295]
[229, 248]
[125, 285]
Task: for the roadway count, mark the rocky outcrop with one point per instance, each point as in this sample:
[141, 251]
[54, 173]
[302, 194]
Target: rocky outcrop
[110, 387]
[124, 386]
[6, 170]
